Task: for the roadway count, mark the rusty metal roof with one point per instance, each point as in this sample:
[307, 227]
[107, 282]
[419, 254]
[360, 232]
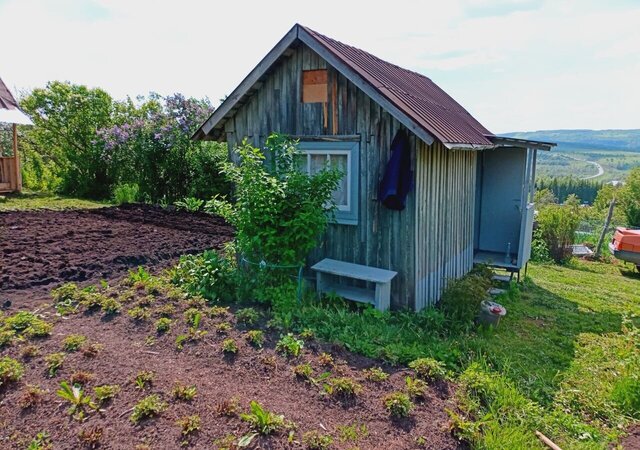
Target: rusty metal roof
[414, 94]
[6, 98]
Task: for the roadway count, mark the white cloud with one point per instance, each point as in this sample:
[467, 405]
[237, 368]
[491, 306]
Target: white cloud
[515, 64]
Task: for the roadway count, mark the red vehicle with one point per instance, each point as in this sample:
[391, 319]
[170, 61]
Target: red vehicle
[625, 245]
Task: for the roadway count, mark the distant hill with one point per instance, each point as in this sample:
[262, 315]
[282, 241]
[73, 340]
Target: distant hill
[568, 140]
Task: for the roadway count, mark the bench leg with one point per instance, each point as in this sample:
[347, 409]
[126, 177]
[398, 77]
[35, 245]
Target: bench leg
[383, 296]
[319, 283]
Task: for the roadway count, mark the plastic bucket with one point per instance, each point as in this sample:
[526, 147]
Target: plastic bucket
[490, 313]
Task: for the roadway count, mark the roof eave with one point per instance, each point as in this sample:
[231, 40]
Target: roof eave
[523, 143]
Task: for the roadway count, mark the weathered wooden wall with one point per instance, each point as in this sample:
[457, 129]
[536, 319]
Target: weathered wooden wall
[382, 238]
[445, 207]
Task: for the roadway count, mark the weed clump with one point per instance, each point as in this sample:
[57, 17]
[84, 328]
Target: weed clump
[163, 325]
[428, 369]
[344, 388]
[54, 362]
[375, 374]
[255, 338]
[10, 370]
[31, 397]
[106, 392]
[262, 420]
[144, 378]
[229, 346]
[314, 440]
[303, 371]
[149, 406]
[182, 392]
[248, 316]
[288, 345]
[73, 342]
[189, 424]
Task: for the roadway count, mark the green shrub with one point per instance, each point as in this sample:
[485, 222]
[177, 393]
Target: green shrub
[27, 324]
[280, 211]
[416, 388]
[111, 306]
[126, 193]
[149, 406]
[10, 370]
[139, 314]
[315, 440]
[398, 404]
[303, 371]
[460, 301]
[144, 378]
[209, 274]
[629, 198]
[189, 424]
[288, 345]
[429, 369]
[558, 225]
[262, 420]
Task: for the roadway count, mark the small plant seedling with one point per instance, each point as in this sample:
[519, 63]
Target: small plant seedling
[76, 396]
[31, 397]
[192, 315]
[81, 377]
[217, 311]
[111, 306]
[228, 408]
[6, 337]
[375, 374]
[189, 424]
[416, 388]
[428, 369]
[288, 345]
[106, 392]
[166, 310]
[149, 406]
[325, 359]
[197, 302]
[90, 437]
[54, 362]
[398, 404]
[223, 327]
[353, 432]
[10, 370]
[307, 335]
[262, 420]
[150, 341]
[182, 392]
[315, 440]
[42, 441]
[248, 316]
[73, 342]
[303, 371]
[138, 276]
[163, 325]
[29, 351]
[144, 378]
[139, 314]
[255, 338]
[229, 346]
[92, 350]
[342, 387]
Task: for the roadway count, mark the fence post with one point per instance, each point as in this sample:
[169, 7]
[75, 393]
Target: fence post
[605, 228]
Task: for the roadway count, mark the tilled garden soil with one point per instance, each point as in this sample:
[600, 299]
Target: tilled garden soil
[253, 374]
[42, 249]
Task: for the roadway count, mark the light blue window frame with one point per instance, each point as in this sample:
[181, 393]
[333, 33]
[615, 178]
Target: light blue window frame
[349, 215]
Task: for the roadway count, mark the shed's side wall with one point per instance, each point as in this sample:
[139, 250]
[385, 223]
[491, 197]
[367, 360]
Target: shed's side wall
[382, 238]
[445, 205]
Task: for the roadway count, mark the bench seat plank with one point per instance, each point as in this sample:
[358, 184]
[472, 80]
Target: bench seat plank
[356, 271]
[351, 293]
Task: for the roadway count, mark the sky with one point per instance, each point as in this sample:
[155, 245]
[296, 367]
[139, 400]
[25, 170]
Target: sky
[516, 65]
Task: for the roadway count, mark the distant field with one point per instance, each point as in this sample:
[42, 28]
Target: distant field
[616, 164]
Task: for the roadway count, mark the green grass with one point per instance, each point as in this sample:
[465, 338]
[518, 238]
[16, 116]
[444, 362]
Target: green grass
[553, 364]
[32, 201]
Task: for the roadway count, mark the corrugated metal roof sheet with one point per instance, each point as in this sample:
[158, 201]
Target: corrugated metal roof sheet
[413, 93]
[6, 98]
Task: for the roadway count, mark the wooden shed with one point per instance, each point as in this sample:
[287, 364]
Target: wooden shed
[10, 117]
[471, 196]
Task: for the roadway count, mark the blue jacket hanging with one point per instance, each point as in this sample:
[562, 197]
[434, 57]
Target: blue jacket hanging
[398, 177]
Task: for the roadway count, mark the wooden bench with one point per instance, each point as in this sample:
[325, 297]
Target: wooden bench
[380, 297]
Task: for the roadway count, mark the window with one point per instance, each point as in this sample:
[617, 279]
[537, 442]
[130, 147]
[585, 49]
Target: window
[314, 86]
[343, 156]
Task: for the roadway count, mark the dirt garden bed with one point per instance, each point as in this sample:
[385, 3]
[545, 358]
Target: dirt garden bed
[127, 346]
[42, 249]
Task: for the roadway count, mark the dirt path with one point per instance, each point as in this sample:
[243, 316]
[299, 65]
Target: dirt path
[42, 249]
